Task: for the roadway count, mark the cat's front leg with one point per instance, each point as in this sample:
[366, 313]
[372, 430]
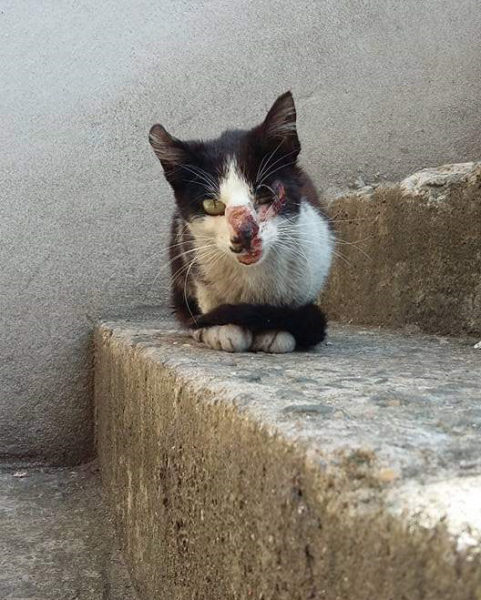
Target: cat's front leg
[273, 341]
[230, 338]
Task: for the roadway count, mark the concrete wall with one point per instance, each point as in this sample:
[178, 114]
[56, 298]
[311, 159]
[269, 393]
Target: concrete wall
[382, 87]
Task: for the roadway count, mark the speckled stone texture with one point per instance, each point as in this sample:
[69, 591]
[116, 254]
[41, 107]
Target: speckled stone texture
[411, 254]
[348, 473]
[56, 537]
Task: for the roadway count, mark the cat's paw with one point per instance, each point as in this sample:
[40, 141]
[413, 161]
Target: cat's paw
[278, 342]
[229, 338]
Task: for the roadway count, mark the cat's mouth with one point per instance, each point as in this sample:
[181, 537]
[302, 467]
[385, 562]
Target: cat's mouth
[251, 253]
[250, 258]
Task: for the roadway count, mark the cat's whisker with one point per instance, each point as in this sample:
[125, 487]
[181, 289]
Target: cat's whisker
[363, 239]
[342, 257]
[266, 172]
[182, 254]
[270, 173]
[203, 176]
[266, 160]
[296, 250]
[203, 185]
[199, 238]
[271, 207]
[293, 246]
[172, 278]
[185, 252]
[213, 259]
[338, 241]
[263, 166]
[297, 237]
[353, 244]
[268, 187]
[202, 255]
[157, 253]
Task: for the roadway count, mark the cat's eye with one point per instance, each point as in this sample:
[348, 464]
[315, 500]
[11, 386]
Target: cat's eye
[263, 199]
[213, 207]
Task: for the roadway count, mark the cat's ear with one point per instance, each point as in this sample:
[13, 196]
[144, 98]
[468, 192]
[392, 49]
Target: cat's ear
[169, 150]
[280, 123]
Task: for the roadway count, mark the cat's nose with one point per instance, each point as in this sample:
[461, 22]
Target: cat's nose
[243, 238]
[243, 227]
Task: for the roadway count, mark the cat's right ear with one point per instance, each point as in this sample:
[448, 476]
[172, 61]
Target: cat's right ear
[169, 150]
[281, 118]
[279, 127]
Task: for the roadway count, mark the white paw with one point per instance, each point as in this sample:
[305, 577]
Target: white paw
[277, 342]
[230, 338]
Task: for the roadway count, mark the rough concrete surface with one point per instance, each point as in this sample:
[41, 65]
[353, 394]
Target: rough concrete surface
[348, 473]
[56, 538]
[382, 89]
[410, 255]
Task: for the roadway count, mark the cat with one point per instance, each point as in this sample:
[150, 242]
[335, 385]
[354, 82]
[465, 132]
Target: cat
[250, 244]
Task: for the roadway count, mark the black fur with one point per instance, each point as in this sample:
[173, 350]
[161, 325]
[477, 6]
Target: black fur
[189, 165]
[306, 323]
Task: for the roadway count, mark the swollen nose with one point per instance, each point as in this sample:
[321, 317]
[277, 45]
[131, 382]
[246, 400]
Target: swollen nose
[243, 238]
[243, 227]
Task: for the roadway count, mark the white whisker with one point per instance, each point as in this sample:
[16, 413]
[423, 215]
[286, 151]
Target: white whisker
[271, 170]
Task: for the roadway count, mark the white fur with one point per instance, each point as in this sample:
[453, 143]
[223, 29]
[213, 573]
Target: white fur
[275, 342]
[233, 188]
[230, 338]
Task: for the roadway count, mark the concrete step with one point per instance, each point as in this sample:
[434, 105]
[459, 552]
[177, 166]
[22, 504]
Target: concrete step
[410, 254]
[349, 473]
[56, 537]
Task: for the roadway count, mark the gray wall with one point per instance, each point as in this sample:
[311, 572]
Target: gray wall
[382, 88]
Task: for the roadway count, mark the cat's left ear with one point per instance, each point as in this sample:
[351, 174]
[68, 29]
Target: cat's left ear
[169, 150]
[280, 123]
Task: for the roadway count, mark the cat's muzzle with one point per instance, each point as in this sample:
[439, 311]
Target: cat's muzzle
[244, 240]
[248, 250]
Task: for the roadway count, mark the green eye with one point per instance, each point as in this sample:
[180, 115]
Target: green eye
[213, 207]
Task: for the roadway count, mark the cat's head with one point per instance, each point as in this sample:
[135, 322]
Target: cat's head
[239, 191]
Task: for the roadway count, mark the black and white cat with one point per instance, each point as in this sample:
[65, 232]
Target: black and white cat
[250, 246]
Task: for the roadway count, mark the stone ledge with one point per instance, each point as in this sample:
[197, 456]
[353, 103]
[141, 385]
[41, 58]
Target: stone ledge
[411, 254]
[352, 472]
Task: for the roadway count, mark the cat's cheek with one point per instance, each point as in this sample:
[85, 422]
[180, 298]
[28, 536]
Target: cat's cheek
[203, 226]
[269, 235]
[211, 229]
